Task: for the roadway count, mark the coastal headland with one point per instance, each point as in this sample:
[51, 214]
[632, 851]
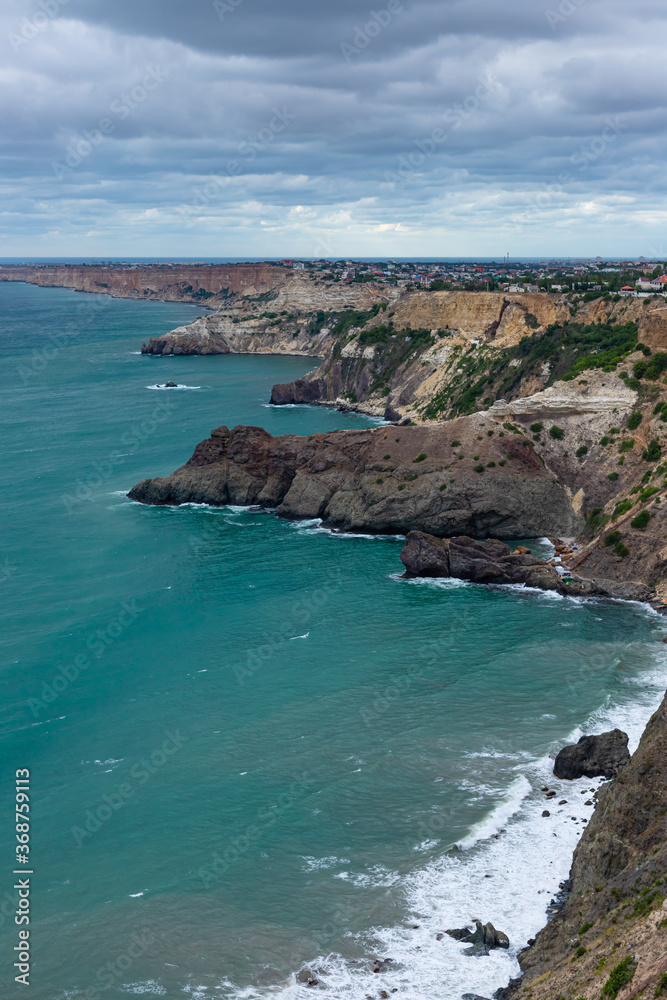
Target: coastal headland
[508, 416]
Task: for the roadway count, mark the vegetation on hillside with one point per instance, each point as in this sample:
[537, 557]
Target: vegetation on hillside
[568, 350]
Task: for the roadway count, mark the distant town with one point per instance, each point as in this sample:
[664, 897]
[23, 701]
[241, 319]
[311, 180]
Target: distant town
[592, 277]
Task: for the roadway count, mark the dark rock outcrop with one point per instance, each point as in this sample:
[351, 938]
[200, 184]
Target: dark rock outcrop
[492, 562]
[484, 938]
[376, 480]
[301, 391]
[481, 562]
[594, 756]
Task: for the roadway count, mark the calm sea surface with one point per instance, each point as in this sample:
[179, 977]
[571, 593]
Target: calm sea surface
[252, 746]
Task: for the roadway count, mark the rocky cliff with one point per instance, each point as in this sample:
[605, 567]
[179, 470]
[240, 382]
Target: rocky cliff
[209, 285]
[610, 939]
[383, 480]
[296, 317]
[433, 354]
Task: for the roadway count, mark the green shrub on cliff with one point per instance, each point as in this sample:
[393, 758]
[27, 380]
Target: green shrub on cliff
[557, 432]
[661, 986]
[596, 520]
[653, 453]
[622, 508]
[634, 420]
[640, 523]
[621, 975]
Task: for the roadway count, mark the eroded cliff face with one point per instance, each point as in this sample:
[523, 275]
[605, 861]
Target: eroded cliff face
[383, 480]
[411, 360]
[205, 285]
[295, 317]
[619, 882]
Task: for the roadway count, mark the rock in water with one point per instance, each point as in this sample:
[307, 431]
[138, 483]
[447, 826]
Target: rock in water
[489, 561]
[473, 996]
[483, 939]
[171, 385]
[594, 756]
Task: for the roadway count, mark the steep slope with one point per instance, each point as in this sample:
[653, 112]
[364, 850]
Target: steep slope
[434, 354]
[614, 914]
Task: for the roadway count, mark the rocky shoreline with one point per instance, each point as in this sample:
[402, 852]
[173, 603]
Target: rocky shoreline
[612, 928]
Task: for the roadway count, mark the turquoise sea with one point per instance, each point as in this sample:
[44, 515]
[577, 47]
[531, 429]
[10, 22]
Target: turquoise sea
[258, 757]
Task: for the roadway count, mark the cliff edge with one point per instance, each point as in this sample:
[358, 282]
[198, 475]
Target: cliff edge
[613, 928]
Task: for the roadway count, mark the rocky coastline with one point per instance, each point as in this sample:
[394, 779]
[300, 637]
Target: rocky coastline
[385, 480]
[579, 460]
[609, 938]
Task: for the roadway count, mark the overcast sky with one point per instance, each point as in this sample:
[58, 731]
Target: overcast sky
[312, 128]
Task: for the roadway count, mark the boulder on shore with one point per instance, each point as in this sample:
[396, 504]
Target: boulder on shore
[465, 558]
[493, 562]
[594, 756]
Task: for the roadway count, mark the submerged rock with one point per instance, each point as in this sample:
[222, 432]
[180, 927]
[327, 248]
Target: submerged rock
[594, 756]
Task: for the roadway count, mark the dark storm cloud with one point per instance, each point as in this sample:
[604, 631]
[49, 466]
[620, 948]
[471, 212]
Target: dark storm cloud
[305, 118]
